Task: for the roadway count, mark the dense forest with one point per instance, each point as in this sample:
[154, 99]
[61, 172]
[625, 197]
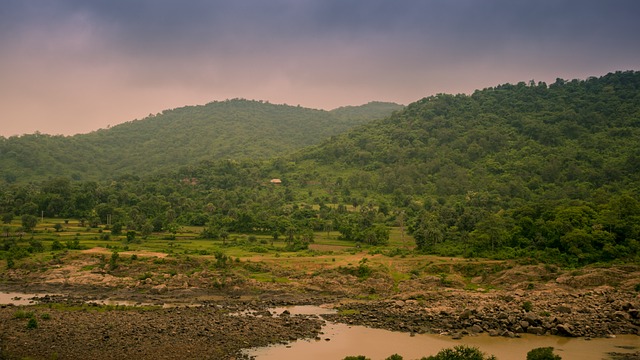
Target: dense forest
[531, 170]
[233, 129]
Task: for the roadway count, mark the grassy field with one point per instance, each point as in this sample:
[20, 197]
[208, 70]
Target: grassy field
[257, 257]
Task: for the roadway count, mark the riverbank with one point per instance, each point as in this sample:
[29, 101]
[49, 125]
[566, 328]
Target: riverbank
[600, 312]
[81, 331]
[415, 295]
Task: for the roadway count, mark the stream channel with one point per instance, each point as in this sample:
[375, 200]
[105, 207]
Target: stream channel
[340, 340]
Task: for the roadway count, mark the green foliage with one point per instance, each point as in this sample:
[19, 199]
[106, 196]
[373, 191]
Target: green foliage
[56, 245]
[222, 260]
[527, 306]
[460, 352]
[231, 129]
[22, 314]
[116, 229]
[545, 353]
[6, 218]
[550, 173]
[113, 261]
[10, 263]
[29, 222]
[32, 323]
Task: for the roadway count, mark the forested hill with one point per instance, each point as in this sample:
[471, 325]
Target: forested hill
[561, 140]
[233, 129]
[546, 171]
[514, 166]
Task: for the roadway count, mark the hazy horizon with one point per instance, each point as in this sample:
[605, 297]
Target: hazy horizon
[74, 66]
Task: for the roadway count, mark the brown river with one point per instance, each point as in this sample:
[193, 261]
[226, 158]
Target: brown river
[340, 340]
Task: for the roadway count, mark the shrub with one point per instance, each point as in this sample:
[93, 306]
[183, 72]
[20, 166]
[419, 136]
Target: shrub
[21, 314]
[56, 245]
[32, 324]
[461, 352]
[545, 353]
[527, 306]
[113, 261]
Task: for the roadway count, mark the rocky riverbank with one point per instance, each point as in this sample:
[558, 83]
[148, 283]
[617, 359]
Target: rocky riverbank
[599, 312]
[451, 296]
[75, 331]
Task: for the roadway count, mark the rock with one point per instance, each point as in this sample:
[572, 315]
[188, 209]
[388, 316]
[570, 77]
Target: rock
[456, 336]
[634, 313]
[531, 318]
[475, 329]
[620, 315]
[562, 309]
[565, 330]
[524, 324]
[159, 289]
[494, 332]
[536, 330]
[465, 314]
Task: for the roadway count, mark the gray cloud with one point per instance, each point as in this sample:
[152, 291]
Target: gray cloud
[64, 61]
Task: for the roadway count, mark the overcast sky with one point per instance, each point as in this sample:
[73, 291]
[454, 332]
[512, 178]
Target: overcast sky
[73, 66]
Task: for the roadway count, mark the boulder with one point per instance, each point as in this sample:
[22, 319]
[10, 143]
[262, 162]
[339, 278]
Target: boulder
[536, 330]
[159, 289]
[475, 329]
[565, 330]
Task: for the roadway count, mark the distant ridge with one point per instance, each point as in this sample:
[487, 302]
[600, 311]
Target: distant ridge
[235, 129]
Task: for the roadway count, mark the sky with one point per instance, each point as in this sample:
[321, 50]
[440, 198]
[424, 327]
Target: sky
[74, 66]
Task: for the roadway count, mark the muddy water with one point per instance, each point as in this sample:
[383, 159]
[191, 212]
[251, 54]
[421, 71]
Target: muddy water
[18, 299]
[339, 341]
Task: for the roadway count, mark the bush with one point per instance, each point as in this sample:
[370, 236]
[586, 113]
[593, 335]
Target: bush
[461, 352]
[21, 314]
[527, 306]
[32, 324]
[56, 245]
[545, 353]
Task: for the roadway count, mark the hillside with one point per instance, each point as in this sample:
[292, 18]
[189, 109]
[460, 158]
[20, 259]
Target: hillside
[513, 171]
[234, 129]
[510, 168]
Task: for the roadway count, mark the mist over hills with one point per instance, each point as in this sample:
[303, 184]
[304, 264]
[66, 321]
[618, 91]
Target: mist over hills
[232, 129]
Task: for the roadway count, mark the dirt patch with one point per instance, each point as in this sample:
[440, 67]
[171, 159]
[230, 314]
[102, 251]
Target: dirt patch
[320, 247]
[141, 253]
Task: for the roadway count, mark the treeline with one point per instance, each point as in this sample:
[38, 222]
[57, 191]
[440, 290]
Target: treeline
[525, 170]
[223, 197]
